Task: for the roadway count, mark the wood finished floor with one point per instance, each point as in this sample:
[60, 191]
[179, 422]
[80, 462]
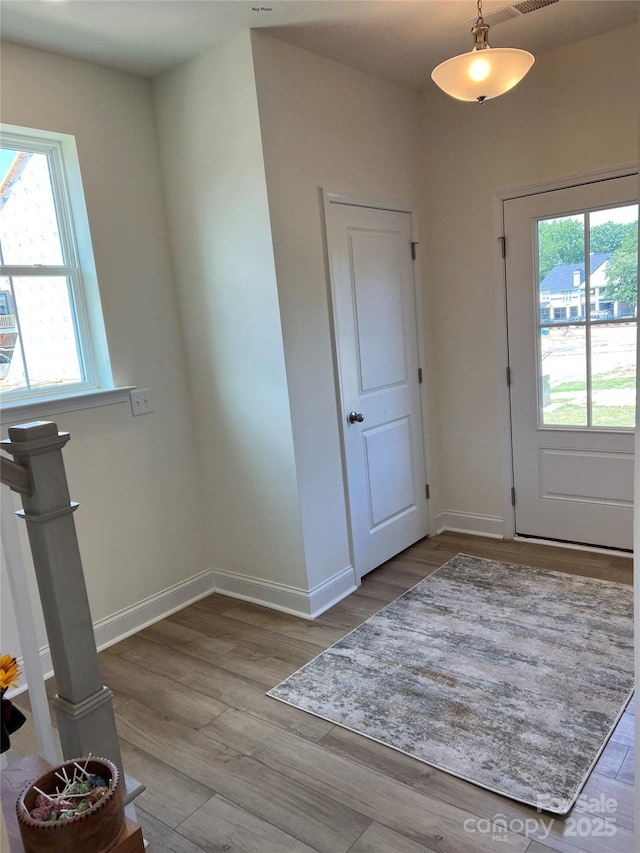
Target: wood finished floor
[228, 769]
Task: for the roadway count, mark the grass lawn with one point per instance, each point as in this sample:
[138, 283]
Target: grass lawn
[572, 409]
[605, 416]
[602, 382]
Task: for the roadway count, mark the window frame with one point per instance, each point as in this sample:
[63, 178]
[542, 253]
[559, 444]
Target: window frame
[586, 321]
[78, 268]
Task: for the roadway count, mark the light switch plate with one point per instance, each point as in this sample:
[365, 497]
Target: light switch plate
[141, 401]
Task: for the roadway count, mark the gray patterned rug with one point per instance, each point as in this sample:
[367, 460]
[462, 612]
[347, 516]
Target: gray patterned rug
[507, 676]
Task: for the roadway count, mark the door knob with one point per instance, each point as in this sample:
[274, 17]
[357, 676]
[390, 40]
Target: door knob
[354, 417]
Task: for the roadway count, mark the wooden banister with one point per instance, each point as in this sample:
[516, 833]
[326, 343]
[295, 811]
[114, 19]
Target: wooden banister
[83, 704]
[15, 476]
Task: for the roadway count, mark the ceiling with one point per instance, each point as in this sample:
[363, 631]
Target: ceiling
[397, 40]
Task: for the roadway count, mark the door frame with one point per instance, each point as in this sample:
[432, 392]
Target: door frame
[327, 198]
[498, 198]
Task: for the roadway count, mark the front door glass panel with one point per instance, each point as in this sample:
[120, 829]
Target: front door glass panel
[587, 284]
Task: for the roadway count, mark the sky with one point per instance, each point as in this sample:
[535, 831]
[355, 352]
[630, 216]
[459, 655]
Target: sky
[616, 214]
[7, 156]
[623, 215]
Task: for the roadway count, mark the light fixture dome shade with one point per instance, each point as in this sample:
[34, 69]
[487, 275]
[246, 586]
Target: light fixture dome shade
[482, 74]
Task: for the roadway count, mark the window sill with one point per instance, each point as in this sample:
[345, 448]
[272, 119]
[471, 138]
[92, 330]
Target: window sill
[43, 408]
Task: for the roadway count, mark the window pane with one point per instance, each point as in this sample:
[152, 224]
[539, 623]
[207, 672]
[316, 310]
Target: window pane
[48, 335]
[11, 366]
[563, 376]
[14, 377]
[612, 269]
[561, 269]
[28, 221]
[614, 261]
[613, 368]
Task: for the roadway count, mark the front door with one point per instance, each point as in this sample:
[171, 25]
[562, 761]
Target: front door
[374, 310]
[571, 273]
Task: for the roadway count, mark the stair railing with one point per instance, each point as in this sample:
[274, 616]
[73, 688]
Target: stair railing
[23, 610]
[83, 705]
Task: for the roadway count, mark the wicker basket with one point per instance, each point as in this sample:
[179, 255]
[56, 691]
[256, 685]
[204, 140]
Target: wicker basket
[95, 830]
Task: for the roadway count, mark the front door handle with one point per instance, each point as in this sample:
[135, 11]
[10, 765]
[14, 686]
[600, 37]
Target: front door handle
[355, 417]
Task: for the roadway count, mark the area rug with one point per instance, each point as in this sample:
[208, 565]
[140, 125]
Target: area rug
[507, 676]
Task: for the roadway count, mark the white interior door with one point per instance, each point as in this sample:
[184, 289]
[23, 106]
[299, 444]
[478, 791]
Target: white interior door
[376, 341]
[571, 273]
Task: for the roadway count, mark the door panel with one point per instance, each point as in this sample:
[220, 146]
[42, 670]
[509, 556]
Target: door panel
[377, 352]
[378, 304]
[388, 465]
[572, 351]
[592, 476]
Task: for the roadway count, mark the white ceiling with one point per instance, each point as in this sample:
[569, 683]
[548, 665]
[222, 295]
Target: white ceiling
[398, 40]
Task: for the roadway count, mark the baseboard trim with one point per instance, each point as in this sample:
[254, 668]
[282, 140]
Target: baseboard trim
[330, 592]
[468, 522]
[132, 619]
[137, 616]
[307, 604]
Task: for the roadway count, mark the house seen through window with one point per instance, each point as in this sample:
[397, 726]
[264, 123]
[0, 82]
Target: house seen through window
[48, 347]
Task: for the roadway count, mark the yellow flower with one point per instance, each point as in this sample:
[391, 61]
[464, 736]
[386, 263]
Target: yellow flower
[9, 672]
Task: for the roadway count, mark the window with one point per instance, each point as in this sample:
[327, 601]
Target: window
[587, 359]
[52, 339]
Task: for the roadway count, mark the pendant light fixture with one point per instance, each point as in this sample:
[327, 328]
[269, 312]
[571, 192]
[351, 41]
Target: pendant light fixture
[484, 72]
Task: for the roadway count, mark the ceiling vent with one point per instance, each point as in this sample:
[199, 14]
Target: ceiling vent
[516, 10]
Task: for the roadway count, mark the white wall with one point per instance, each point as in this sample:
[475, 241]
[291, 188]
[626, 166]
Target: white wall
[323, 125]
[136, 479]
[217, 206]
[577, 111]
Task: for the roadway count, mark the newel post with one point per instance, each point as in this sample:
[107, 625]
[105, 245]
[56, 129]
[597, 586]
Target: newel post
[83, 706]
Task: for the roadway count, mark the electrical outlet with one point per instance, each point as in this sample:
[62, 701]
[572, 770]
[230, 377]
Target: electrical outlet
[141, 401]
